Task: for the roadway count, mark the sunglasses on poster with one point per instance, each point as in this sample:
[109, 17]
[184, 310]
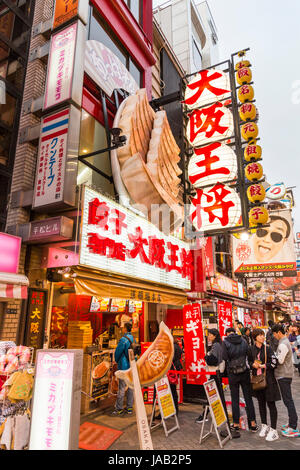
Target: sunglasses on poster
[275, 236]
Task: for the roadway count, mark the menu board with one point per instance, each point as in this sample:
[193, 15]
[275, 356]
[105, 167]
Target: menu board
[99, 304]
[135, 307]
[100, 374]
[118, 306]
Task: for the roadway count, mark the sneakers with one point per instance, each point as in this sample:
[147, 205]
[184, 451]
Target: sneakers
[200, 419]
[272, 435]
[264, 430]
[117, 413]
[253, 428]
[289, 432]
[129, 411]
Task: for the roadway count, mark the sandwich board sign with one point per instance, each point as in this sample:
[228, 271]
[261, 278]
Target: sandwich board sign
[217, 413]
[166, 405]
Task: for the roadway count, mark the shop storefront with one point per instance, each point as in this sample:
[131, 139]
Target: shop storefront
[127, 271]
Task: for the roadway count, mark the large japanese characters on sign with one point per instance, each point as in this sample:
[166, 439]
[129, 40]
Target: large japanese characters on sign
[114, 239]
[269, 252]
[224, 317]
[56, 400]
[65, 66]
[194, 343]
[56, 164]
[213, 165]
[36, 313]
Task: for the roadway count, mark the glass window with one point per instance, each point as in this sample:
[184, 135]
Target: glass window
[197, 57]
[135, 72]
[135, 8]
[7, 110]
[5, 141]
[11, 67]
[92, 138]
[98, 32]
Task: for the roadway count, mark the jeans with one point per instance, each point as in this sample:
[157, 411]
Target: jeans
[262, 404]
[286, 394]
[121, 396]
[235, 381]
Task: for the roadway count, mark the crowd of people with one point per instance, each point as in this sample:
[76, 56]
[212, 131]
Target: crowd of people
[262, 365]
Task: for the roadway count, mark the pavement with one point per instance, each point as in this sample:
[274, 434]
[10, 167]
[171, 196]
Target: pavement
[187, 437]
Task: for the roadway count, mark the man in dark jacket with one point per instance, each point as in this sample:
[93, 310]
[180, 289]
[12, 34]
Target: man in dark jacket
[235, 351]
[270, 339]
[122, 359]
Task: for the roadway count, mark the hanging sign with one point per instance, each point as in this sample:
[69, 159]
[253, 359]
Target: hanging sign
[56, 171]
[276, 191]
[66, 10]
[106, 69]
[36, 315]
[65, 66]
[269, 252]
[224, 317]
[215, 204]
[194, 343]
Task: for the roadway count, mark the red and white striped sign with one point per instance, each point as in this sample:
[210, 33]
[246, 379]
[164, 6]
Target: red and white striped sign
[13, 291]
[49, 183]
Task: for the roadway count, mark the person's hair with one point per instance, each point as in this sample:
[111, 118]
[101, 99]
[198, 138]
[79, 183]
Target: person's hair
[278, 328]
[229, 330]
[297, 326]
[256, 332]
[215, 332]
[270, 323]
[240, 323]
[288, 227]
[247, 329]
[128, 327]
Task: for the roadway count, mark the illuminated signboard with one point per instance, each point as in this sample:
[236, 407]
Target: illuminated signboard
[215, 204]
[116, 240]
[55, 417]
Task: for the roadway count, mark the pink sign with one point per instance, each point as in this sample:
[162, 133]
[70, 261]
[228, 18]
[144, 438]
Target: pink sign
[225, 317]
[9, 253]
[60, 66]
[194, 343]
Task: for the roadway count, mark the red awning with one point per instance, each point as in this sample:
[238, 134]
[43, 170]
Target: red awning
[13, 286]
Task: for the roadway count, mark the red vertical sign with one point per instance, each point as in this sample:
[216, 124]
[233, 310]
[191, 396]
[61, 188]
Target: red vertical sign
[194, 343]
[224, 316]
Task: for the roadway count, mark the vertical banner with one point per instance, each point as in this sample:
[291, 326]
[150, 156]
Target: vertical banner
[65, 66]
[36, 315]
[56, 400]
[224, 316]
[194, 343]
[56, 172]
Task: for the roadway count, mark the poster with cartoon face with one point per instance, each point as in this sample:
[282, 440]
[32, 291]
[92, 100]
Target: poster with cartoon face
[269, 252]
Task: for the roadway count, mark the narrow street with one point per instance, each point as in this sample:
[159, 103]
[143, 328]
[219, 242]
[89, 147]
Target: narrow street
[187, 437]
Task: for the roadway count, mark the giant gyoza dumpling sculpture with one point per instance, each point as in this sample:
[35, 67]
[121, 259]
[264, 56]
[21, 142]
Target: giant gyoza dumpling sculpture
[155, 362]
[149, 160]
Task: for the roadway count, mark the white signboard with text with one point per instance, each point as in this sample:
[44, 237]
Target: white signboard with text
[114, 239]
[56, 400]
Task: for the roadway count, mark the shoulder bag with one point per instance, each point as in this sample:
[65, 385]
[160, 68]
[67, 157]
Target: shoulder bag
[259, 382]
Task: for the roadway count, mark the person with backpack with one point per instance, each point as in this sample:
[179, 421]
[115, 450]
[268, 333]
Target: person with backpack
[122, 359]
[235, 354]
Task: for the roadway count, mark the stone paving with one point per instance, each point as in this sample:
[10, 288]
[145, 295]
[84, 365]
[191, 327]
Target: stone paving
[187, 437]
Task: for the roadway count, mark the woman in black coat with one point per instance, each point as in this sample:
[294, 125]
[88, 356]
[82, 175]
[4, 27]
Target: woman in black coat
[268, 396]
